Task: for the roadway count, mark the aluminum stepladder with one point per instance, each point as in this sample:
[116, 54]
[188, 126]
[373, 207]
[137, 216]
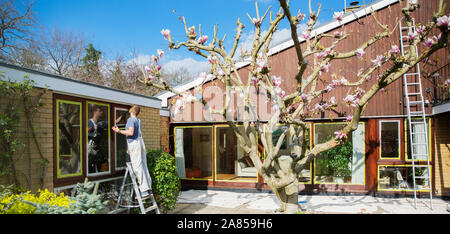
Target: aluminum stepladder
[119, 207]
[418, 129]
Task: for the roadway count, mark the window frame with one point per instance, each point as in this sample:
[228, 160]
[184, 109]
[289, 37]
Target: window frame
[313, 176]
[407, 143]
[212, 150]
[115, 137]
[109, 171]
[380, 124]
[58, 175]
[396, 190]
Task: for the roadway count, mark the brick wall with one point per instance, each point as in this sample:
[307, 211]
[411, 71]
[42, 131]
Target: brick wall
[442, 154]
[31, 175]
[150, 127]
[164, 132]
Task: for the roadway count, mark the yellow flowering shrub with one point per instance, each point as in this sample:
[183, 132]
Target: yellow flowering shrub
[13, 204]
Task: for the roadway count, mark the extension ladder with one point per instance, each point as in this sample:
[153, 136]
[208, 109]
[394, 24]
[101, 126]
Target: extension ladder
[140, 202]
[418, 134]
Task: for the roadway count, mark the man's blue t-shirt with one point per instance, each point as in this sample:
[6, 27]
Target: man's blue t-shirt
[133, 122]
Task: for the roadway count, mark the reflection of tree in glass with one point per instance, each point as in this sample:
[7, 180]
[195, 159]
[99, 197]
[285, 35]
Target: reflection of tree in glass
[69, 132]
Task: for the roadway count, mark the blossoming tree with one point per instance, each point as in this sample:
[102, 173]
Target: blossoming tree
[281, 172]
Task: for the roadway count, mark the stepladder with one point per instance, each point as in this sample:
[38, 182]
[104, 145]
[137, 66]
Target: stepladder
[417, 122]
[130, 195]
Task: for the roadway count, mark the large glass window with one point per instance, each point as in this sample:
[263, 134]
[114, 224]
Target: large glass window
[390, 139]
[121, 115]
[232, 164]
[194, 152]
[286, 149]
[343, 164]
[391, 177]
[68, 134]
[98, 129]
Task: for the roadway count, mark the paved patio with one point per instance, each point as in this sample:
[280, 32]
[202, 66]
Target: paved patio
[227, 202]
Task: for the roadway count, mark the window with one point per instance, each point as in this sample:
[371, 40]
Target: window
[419, 137]
[285, 149]
[399, 177]
[68, 135]
[343, 164]
[389, 139]
[194, 152]
[232, 164]
[121, 115]
[97, 136]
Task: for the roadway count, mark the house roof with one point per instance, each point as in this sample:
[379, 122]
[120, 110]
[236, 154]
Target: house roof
[68, 86]
[322, 28]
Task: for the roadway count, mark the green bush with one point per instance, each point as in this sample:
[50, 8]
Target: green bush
[166, 185]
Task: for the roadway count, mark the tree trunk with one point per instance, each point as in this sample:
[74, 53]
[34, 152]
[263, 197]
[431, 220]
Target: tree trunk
[288, 195]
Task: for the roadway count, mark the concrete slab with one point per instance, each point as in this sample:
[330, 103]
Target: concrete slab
[228, 202]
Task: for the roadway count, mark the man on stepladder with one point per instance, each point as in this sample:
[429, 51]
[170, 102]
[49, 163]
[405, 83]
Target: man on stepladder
[136, 150]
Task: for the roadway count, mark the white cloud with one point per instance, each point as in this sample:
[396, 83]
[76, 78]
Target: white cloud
[141, 59]
[193, 66]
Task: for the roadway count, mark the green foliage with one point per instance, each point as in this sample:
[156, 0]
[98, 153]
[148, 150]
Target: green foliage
[166, 184]
[337, 159]
[87, 201]
[90, 60]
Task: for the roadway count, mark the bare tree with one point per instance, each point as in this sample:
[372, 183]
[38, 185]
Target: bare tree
[64, 51]
[281, 172]
[14, 26]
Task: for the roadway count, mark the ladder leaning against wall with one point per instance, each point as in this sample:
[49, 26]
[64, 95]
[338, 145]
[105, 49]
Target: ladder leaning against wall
[418, 129]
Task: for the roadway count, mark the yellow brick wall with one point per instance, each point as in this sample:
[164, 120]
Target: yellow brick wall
[442, 154]
[150, 127]
[31, 175]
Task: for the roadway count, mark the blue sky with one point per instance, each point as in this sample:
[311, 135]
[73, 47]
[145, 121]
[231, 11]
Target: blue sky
[118, 26]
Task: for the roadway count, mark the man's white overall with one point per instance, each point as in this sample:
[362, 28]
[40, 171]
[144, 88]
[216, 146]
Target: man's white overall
[137, 152]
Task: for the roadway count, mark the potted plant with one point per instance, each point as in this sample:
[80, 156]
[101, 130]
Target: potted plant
[337, 161]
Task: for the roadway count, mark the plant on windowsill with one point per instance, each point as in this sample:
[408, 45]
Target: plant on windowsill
[338, 159]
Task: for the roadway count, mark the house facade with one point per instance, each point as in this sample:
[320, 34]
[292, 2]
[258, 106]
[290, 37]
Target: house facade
[206, 147]
[73, 136]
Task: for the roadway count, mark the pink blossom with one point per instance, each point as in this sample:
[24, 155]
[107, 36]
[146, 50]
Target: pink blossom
[255, 80]
[360, 52]
[261, 65]
[154, 58]
[351, 100]
[305, 35]
[411, 36]
[148, 69]
[282, 94]
[447, 83]
[428, 42]
[348, 118]
[340, 135]
[333, 100]
[338, 15]
[160, 53]
[165, 33]
[192, 30]
[303, 96]
[211, 59]
[202, 39]
[421, 29]
[437, 38]
[150, 77]
[324, 53]
[256, 21]
[379, 60]
[324, 68]
[276, 81]
[443, 21]
[158, 67]
[395, 49]
[338, 34]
